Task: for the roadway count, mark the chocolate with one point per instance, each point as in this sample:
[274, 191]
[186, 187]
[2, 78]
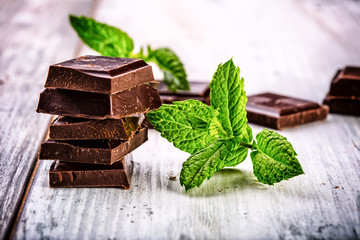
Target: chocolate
[63, 174]
[343, 105]
[91, 151]
[78, 104]
[99, 74]
[67, 128]
[278, 112]
[344, 94]
[346, 82]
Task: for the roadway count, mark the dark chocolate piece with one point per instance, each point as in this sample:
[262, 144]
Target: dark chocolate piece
[91, 151]
[67, 128]
[344, 94]
[278, 112]
[346, 82]
[99, 74]
[77, 104]
[63, 174]
[343, 105]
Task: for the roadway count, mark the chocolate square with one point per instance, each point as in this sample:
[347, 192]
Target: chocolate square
[91, 151]
[278, 111]
[64, 174]
[67, 128]
[99, 74]
[343, 105]
[344, 94]
[346, 82]
[140, 99]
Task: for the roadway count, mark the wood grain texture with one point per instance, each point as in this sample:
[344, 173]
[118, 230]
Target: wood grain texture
[293, 48]
[33, 36]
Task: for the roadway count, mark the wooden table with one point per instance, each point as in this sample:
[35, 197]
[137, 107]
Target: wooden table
[290, 47]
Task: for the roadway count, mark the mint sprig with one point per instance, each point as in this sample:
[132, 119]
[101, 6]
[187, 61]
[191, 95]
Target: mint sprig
[218, 136]
[112, 42]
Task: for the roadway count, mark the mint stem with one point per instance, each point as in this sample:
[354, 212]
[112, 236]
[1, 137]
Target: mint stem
[251, 146]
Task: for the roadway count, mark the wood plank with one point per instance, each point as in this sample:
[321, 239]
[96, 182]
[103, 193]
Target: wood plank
[280, 47]
[33, 36]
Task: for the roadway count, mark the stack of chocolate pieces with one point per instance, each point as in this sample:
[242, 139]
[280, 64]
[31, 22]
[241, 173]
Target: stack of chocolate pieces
[101, 103]
[344, 94]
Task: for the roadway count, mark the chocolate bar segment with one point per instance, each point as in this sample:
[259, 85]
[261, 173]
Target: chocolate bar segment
[343, 105]
[99, 74]
[64, 174]
[346, 82]
[278, 112]
[140, 99]
[344, 94]
[91, 151]
[67, 128]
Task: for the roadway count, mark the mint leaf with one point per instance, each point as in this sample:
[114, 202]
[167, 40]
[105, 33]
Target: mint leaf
[170, 64]
[235, 157]
[185, 124]
[228, 97]
[238, 153]
[107, 40]
[274, 159]
[202, 165]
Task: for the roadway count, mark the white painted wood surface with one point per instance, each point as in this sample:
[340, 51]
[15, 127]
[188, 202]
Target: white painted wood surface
[32, 36]
[291, 47]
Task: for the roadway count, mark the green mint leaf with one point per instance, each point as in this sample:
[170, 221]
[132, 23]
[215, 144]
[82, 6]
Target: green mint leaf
[235, 152]
[202, 165]
[274, 159]
[184, 123]
[174, 72]
[107, 40]
[228, 97]
[215, 127]
[236, 156]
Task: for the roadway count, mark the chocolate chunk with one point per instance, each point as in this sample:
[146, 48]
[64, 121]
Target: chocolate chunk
[67, 128]
[99, 74]
[77, 104]
[346, 82]
[91, 151]
[63, 174]
[343, 105]
[344, 94]
[278, 112]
